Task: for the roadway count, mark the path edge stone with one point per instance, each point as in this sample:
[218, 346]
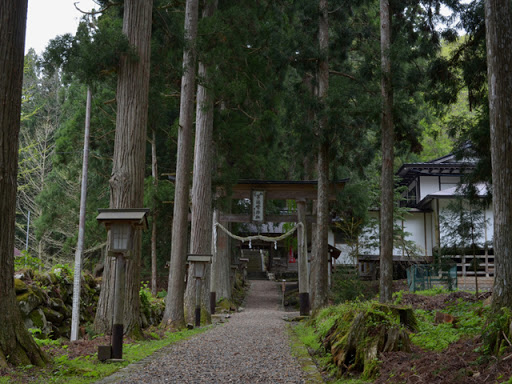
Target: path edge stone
[302, 355]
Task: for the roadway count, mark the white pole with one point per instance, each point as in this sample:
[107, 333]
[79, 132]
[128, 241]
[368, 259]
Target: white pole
[75, 319]
[28, 230]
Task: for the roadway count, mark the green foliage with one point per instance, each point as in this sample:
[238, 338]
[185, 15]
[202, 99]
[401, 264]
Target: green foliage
[348, 286]
[145, 295]
[354, 332]
[27, 261]
[433, 291]
[91, 331]
[62, 270]
[432, 336]
[95, 50]
[308, 336]
[43, 342]
[332, 324]
[496, 331]
[437, 337]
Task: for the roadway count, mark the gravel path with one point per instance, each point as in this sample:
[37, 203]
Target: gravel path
[252, 347]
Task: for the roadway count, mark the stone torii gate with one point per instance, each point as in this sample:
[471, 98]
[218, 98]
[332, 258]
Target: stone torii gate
[258, 191]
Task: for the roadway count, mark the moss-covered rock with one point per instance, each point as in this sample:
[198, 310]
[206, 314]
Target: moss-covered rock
[52, 315]
[28, 301]
[48, 279]
[37, 320]
[66, 291]
[225, 305]
[39, 293]
[20, 286]
[25, 274]
[56, 304]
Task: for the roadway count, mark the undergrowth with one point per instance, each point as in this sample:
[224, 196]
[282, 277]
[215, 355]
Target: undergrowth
[88, 369]
[470, 320]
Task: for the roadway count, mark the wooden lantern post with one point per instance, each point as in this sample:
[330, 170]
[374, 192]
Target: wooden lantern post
[199, 262]
[122, 224]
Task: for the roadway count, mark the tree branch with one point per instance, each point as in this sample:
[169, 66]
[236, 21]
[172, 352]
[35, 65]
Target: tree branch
[332, 72]
[96, 12]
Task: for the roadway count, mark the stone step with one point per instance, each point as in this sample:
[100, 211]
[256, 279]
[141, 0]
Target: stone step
[257, 276]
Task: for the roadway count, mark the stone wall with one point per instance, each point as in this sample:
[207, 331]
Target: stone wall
[45, 301]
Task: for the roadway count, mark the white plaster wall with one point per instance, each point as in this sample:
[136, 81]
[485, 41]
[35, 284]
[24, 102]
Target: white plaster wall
[346, 257]
[443, 203]
[415, 224]
[489, 217]
[428, 185]
[449, 182]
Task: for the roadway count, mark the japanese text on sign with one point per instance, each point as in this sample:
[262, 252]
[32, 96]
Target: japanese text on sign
[258, 203]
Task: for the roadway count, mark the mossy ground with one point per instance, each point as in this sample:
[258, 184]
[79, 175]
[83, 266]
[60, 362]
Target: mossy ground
[66, 367]
[440, 352]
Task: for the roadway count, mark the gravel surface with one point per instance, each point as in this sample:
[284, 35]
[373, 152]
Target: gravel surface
[252, 347]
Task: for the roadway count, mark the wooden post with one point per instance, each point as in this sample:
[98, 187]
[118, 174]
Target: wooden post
[303, 259]
[214, 268]
[198, 302]
[117, 329]
[283, 290]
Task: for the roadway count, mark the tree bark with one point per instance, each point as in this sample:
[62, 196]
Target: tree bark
[201, 231]
[174, 316]
[75, 318]
[16, 345]
[498, 20]
[303, 259]
[387, 184]
[154, 174]
[127, 180]
[222, 264]
[320, 288]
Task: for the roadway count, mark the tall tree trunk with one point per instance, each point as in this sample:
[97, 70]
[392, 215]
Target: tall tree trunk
[127, 180]
[320, 288]
[302, 241]
[75, 318]
[387, 184]
[16, 344]
[201, 235]
[201, 232]
[174, 311]
[222, 262]
[498, 21]
[154, 213]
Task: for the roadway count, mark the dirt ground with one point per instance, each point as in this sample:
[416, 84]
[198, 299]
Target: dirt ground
[458, 364]
[86, 347]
